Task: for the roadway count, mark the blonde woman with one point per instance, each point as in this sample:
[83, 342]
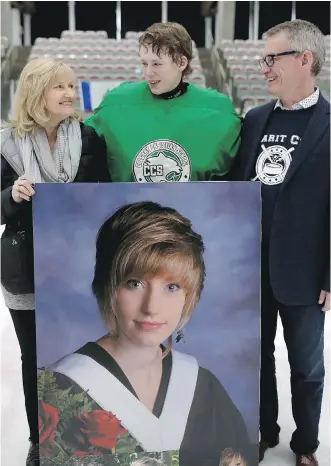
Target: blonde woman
[44, 142]
[137, 394]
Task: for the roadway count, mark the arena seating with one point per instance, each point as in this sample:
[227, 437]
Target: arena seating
[93, 56]
[96, 57]
[4, 46]
[250, 89]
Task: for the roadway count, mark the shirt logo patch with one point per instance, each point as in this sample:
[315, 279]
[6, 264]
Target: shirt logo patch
[162, 161]
[272, 164]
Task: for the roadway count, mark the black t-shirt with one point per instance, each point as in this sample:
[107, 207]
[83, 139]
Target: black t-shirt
[282, 135]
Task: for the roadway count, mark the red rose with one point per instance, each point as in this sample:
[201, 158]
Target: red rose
[101, 428]
[48, 420]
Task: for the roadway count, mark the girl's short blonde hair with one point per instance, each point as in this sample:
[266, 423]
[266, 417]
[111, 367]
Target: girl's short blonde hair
[147, 240]
[30, 110]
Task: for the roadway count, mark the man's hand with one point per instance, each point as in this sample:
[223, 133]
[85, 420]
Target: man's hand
[325, 300]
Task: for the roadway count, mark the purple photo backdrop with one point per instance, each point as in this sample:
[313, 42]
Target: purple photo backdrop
[224, 332]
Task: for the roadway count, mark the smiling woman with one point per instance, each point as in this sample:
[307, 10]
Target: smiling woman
[45, 129]
[134, 396]
[43, 142]
[44, 85]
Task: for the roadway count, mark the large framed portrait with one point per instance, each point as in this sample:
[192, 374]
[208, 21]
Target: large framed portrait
[148, 323]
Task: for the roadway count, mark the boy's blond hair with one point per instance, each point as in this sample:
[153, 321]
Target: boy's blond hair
[170, 38]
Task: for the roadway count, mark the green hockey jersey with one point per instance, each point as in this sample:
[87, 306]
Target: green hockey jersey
[149, 139]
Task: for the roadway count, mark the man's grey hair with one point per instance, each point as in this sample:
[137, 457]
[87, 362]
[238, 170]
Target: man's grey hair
[303, 35]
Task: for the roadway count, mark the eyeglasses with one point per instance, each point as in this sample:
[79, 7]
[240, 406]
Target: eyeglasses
[269, 60]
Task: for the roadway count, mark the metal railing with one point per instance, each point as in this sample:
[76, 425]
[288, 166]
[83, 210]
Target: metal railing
[224, 81]
[7, 66]
[209, 38]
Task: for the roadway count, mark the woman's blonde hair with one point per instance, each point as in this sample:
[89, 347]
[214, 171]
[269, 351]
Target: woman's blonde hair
[30, 110]
[147, 240]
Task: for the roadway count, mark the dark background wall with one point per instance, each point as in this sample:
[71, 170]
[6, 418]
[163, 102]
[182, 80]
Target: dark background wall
[52, 17]
[272, 13]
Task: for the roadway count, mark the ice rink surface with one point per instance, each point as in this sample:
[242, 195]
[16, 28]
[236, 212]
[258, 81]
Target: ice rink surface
[14, 427]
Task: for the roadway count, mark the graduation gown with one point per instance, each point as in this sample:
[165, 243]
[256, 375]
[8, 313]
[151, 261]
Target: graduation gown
[88, 411]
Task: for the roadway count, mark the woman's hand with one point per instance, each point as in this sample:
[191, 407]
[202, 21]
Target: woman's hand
[22, 190]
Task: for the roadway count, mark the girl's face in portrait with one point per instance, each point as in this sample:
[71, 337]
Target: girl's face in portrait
[149, 309]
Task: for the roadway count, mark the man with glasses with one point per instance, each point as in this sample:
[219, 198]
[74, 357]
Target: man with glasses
[286, 146]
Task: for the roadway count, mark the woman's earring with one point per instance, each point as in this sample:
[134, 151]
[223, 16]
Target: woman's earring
[112, 334]
[180, 336]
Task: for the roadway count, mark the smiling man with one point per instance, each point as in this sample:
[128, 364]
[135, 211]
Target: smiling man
[286, 146]
[164, 129]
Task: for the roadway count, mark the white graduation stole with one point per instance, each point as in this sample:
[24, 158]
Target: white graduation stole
[153, 434]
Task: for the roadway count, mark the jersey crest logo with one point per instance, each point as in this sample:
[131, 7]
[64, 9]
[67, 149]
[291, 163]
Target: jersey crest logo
[272, 164]
[162, 161]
